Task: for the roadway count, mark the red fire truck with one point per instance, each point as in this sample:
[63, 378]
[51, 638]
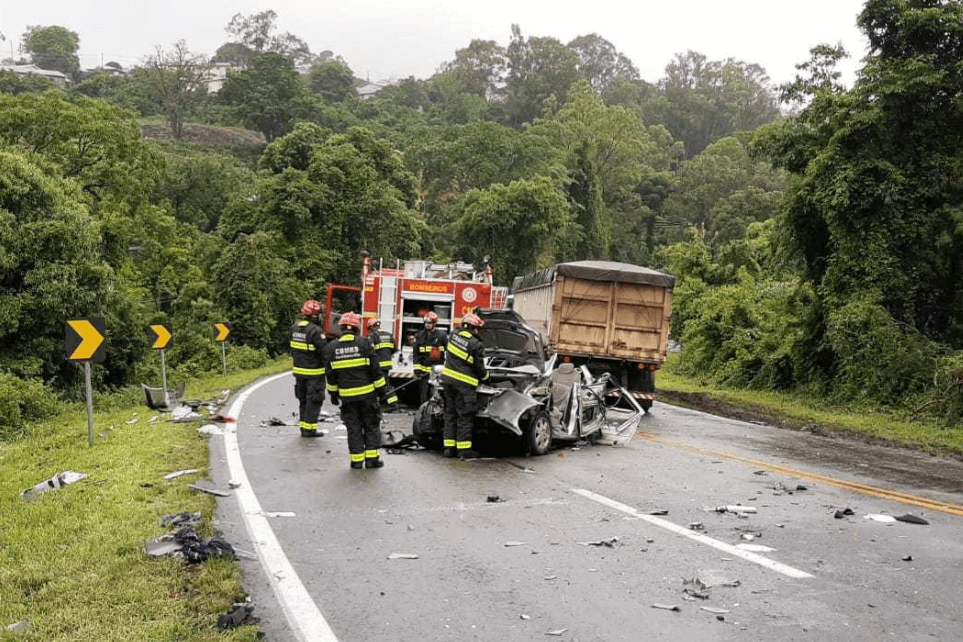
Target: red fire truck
[400, 296]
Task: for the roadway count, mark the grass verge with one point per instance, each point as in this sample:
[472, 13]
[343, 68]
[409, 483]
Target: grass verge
[72, 561]
[801, 412]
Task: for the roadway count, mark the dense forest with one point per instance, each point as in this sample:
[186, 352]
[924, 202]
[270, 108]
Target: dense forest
[815, 230]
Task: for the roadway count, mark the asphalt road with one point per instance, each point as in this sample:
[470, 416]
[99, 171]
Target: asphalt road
[571, 550]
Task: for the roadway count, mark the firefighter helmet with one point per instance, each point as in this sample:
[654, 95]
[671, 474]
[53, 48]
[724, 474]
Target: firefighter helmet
[372, 322]
[431, 317]
[473, 320]
[350, 319]
[310, 308]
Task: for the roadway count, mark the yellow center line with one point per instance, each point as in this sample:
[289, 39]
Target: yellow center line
[906, 498]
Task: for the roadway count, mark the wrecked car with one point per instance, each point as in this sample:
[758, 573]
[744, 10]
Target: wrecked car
[532, 398]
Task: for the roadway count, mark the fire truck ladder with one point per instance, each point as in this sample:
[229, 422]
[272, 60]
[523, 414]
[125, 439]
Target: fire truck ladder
[387, 295]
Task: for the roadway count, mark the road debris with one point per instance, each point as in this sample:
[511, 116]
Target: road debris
[839, 514]
[515, 543]
[210, 429]
[908, 558]
[180, 519]
[659, 511]
[697, 526]
[735, 509]
[403, 556]
[19, 627]
[886, 519]
[209, 490]
[602, 542]
[714, 610]
[550, 577]
[760, 472]
[667, 607]
[494, 499]
[240, 611]
[695, 588]
[523, 616]
[187, 544]
[56, 482]
[178, 473]
[184, 414]
[911, 519]
[556, 632]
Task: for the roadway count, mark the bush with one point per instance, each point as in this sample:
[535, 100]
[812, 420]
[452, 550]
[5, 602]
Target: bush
[23, 401]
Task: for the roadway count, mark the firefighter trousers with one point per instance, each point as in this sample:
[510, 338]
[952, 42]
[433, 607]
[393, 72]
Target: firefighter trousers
[461, 403]
[310, 394]
[362, 419]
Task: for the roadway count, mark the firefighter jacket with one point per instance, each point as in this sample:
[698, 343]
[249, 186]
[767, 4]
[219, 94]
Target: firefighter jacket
[384, 346]
[307, 345]
[464, 360]
[429, 350]
[352, 369]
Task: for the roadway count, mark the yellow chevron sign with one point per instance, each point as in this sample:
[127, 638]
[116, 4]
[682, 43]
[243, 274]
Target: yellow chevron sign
[162, 336]
[84, 340]
[221, 332]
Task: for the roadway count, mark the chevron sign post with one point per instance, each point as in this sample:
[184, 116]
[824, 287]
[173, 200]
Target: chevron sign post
[221, 332]
[161, 337]
[84, 341]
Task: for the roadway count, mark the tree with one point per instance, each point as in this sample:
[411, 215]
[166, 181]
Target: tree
[268, 96]
[257, 34]
[519, 225]
[538, 69]
[53, 48]
[479, 68]
[177, 81]
[333, 80]
[600, 63]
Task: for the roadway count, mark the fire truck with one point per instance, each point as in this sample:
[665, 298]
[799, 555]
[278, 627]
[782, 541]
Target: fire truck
[401, 295]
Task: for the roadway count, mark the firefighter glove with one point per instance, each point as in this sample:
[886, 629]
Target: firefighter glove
[335, 398]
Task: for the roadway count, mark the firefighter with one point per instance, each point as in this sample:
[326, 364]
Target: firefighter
[384, 346]
[356, 383]
[464, 370]
[428, 352]
[307, 345]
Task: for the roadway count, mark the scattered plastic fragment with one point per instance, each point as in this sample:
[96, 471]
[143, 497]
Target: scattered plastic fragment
[697, 526]
[240, 611]
[494, 499]
[210, 429]
[550, 577]
[911, 519]
[19, 627]
[233, 483]
[908, 558]
[523, 616]
[888, 519]
[659, 511]
[180, 519]
[839, 514]
[184, 414]
[556, 632]
[515, 543]
[178, 473]
[667, 607]
[54, 483]
[210, 491]
[602, 542]
[195, 549]
[761, 472]
[402, 556]
[735, 509]
[714, 610]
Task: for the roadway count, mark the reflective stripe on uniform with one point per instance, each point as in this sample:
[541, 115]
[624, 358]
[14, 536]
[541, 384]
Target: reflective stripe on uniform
[357, 456]
[449, 443]
[422, 368]
[354, 392]
[454, 374]
[360, 362]
[464, 445]
[461, 354]
[385, 364]
[309, 372]
[298, 345]
[372, 454]
[387, 345]
[307, 425]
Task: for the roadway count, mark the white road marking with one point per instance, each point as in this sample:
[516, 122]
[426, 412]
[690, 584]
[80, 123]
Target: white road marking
[685, 532]
[302, 613]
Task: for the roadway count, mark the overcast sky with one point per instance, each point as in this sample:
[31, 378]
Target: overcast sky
[391, 38]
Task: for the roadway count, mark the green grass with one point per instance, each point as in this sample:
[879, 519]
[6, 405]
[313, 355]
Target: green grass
[72, 561]
[806, 412]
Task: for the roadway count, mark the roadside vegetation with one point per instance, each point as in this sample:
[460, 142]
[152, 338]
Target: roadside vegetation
[72, 560]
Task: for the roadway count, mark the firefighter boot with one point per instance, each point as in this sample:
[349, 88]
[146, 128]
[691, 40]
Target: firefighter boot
[450, 452]
[468, 453]
[374, 462]
[357, 464]
[311, 432]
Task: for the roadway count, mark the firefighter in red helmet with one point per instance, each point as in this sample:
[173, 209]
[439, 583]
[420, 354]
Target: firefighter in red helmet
[356, 383]
[307, 345]
[464, 370]
[428, 351]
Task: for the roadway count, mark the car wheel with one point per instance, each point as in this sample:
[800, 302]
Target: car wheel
[426, 428]
[538, 433]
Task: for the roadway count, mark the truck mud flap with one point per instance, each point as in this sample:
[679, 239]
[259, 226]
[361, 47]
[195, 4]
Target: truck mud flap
[507, 407]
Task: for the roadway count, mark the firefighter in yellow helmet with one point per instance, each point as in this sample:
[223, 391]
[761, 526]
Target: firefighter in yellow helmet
[307, 345]
[464, 370]
[356, 383]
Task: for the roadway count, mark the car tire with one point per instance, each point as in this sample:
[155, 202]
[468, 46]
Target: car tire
[538, 433]
[426, 428]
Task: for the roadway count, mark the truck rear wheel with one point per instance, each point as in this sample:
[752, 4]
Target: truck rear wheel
[538, 433]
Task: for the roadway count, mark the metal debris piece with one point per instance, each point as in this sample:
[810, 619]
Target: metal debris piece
[714, 610]
[180, 519]
[550, 577]
[761, 472]
[735, 509]
[908, 558]
[54, 483]
[839, 514]
[610, 542]
[210, 491]
[515, 543]
[523, 616]
[886, 519]
[403, 556]
[659, 511]
[162, 546]
[667, 607]
[494, 499]
[240, 611]
[556, 632]
[697, 526]
[178, 473]
[911, 519]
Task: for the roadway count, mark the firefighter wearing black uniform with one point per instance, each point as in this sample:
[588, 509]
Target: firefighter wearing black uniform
[307, 345]
[464, 370]
[428, 351]
[384, 346]
[355, 381]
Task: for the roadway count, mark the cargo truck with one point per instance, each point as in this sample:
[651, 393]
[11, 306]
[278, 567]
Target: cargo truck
[611, 317]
